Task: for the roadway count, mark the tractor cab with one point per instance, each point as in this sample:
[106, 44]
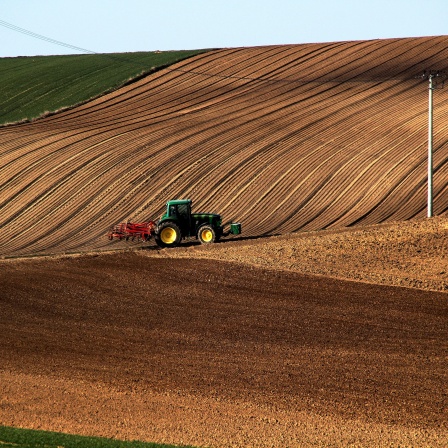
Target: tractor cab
[179, 212]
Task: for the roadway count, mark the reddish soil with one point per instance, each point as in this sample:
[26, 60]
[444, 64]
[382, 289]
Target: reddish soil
[159, 346]
[319, 338]
[281, 138]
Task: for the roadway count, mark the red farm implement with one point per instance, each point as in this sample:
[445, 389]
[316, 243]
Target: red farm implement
[133, 231]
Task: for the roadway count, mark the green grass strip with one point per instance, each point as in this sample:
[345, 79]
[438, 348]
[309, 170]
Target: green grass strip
[27, 438]
[33, 86]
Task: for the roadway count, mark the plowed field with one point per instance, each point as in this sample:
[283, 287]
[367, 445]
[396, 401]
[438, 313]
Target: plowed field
[333, 337]
[200, 346]
[281, 138]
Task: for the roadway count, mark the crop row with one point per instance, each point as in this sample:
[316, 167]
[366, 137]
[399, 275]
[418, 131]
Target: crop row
[282, 138]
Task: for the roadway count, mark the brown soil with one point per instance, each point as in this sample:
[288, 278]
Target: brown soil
[412, 253]
[319, 338]
[281, 138]
[235, 344]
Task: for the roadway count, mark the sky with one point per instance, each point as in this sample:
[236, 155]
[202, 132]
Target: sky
[117, 26]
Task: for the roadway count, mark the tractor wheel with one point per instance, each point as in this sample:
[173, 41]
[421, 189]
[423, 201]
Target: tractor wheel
[168, 235]
[207, 235]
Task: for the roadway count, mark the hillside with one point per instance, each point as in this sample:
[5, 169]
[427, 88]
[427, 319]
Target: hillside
[281, 138]
[39, 85]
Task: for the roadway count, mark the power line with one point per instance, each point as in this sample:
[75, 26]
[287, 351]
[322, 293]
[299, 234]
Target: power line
[113, 57]
[304, 80]
[44, 38]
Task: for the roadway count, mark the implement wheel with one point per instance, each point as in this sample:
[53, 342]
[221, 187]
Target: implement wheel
[168, 235]
[207, 235]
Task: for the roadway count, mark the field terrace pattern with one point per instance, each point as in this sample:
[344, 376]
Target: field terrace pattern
[282, 138]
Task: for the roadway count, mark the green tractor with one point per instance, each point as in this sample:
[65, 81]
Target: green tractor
[178, 222]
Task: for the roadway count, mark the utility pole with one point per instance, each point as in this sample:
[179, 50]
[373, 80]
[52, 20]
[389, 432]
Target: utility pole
[431, 76]
[430, 127]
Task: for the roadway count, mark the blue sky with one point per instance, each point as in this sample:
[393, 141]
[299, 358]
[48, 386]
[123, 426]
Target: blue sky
[106, 26]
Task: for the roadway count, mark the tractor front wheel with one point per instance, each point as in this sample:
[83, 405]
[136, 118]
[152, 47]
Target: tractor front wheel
[207, 235]
[168, 235]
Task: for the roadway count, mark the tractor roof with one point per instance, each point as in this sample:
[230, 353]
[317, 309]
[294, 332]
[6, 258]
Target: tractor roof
[179, 201]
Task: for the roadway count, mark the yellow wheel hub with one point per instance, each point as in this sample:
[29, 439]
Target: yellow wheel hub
[207, 235]
[168, 235]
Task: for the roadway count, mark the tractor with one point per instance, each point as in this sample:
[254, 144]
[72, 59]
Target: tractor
[176, 224]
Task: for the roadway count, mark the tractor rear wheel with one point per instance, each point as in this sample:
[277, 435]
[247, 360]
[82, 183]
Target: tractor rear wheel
[207, 235]
[168, 235]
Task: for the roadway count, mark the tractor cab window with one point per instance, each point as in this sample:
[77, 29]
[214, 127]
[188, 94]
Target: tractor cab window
[182, 214]
[173, 210]
[183, 211]
[183, 217]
